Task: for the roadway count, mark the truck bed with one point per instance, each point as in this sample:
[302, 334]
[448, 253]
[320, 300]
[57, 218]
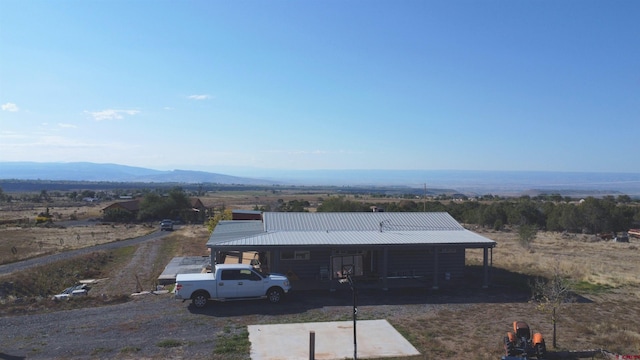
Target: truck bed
[196, 276]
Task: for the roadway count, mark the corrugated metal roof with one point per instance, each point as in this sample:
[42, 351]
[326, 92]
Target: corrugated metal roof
[360, 221]
[252, 212]
[236, 229]
[311, 229]
[343, 238]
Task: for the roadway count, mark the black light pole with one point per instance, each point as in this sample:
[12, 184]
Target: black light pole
[355, 316]
[345, 276]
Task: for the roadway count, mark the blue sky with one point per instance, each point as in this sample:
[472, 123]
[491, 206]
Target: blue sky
[426, 85]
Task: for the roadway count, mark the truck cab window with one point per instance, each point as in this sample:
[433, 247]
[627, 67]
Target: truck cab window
[230, 275]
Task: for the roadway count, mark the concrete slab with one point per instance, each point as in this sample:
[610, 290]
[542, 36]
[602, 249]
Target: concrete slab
[333, 340]
[182, 265]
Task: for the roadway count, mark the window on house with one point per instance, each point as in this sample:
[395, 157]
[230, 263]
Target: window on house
[295, 255]
[447, 251]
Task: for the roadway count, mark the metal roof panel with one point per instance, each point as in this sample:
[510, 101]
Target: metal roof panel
[357, 238]
[311, 229]
[360, 221]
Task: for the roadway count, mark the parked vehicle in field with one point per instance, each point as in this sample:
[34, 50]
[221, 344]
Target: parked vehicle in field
[520, 345]
[73, 291]
[231, 282]
[166, 224]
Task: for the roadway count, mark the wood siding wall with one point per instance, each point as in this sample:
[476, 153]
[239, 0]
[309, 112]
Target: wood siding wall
[401, 263]
[306, 269]
[408, 263]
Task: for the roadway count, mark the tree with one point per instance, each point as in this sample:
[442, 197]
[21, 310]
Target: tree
[551, 294]
[492, 213]
[526, 234]
[407, 205]
[597, 214]
[524, 212]
[44, 196]
[624, 199]
[88, 194]
[571, 218]
[151, 207]
[154, 206]
[340, 204]
[119, 215]
[293, 206]
[177, 203]
[224, 215]
[552, 214]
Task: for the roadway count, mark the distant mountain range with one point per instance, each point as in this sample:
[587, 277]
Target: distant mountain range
[465, 181]
[86, 171]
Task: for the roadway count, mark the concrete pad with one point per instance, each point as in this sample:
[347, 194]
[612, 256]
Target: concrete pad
[333, 340]
[182, 265]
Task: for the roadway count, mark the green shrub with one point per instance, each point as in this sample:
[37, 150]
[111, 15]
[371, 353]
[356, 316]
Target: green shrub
[169, 343]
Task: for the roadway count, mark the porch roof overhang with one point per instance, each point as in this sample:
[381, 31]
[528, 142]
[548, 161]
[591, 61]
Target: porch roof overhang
[315, 239]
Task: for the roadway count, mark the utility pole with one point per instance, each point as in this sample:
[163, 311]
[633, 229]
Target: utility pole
[424, 199]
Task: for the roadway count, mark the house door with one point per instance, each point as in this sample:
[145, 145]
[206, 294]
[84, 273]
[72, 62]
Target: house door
[371, 263]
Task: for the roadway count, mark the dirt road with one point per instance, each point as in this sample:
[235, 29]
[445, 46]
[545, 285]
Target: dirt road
[25, 264]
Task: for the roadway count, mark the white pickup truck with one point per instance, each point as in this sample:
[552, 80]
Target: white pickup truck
[230, 282]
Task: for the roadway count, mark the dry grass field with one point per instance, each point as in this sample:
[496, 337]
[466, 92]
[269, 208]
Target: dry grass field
[582, 258]
[604, 274]
[19, 242]
[60, 210]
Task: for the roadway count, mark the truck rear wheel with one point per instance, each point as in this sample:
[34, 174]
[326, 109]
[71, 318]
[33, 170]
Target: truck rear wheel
[274, 295]
[200, 299]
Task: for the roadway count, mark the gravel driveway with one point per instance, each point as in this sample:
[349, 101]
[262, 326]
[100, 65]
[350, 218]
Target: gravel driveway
[129, 330]
[158, 326]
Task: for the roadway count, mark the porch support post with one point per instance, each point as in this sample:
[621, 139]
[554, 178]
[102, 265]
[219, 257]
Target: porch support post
[491, 266]
[275, 262]
[485, 262]
[385, 268]
[435, 267]
[215, 256]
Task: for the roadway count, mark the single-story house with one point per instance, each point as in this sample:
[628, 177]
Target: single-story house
[380, 248]
[131, 207]
[197, 213]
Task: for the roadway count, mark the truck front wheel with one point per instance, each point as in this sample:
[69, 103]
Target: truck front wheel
[200, 299]
[274, 295]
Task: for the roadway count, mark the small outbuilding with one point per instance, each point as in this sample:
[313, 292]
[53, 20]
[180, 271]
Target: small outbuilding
[246, 215]
[382, 249]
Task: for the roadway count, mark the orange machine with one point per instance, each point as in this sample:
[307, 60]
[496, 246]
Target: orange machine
[519, 343]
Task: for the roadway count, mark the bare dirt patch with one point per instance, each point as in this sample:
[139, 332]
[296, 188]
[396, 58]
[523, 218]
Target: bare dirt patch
[146, 263]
